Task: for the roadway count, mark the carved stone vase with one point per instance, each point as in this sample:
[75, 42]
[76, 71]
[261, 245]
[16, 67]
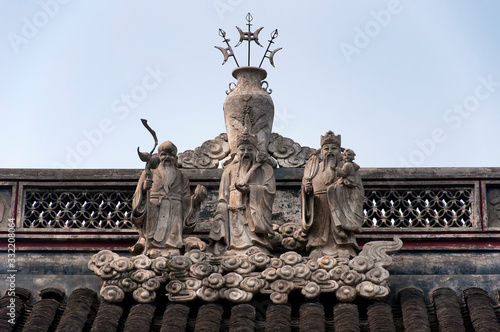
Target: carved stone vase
[249, 106]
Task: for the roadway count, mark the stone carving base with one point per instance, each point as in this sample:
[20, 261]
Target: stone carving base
[197, 274]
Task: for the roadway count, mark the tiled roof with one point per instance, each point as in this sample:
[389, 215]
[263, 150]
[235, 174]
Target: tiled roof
[410, 311]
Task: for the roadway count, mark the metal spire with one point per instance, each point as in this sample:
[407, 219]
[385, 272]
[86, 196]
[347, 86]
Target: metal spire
[249, 36]
[274, 34]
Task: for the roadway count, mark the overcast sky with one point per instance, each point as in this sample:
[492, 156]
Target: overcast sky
[406, 83]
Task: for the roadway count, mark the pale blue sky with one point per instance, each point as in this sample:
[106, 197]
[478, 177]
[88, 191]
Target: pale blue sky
[406, 83]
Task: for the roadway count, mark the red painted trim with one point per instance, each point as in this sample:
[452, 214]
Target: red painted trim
[16, 205]
[70, 245]
[409, 243]
[475, 244]
[481, 205]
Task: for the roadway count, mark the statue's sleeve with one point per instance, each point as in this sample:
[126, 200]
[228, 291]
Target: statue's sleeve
[139, 202]
[307, 204]
[221, 217]
[261, 202]
[190, 211]
[307, 200]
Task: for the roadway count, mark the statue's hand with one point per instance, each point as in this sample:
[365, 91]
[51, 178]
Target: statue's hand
[200, 194]
[244, 188]
[148, 184]
[308, 187]
[348, 183]
[340, 232]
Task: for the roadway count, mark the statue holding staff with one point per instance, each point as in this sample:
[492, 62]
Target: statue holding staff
[163, 207]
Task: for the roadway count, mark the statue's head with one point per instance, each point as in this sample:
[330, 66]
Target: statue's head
[330, 146]
[168, 152]
[348, 155]
[246, 146]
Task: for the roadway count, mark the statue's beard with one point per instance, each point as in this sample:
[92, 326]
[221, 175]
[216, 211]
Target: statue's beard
[169, 172]
[329, 162]
[245, 165]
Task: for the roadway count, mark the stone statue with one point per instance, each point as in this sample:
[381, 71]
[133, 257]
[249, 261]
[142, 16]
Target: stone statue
[172, 209]
[332, 201]
[243, 215]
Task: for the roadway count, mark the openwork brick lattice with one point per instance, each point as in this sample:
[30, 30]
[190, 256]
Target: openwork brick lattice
[80, 209]
[384, 207]
[418, 207]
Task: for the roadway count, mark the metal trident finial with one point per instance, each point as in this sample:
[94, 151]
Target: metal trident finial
[249, 36]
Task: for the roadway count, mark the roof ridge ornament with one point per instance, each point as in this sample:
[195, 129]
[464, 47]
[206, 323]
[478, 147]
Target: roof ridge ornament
[249, 36]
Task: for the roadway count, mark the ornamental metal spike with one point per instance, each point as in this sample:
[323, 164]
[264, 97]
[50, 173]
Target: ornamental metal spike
[248, 36]
[274, 35]
[228, 51]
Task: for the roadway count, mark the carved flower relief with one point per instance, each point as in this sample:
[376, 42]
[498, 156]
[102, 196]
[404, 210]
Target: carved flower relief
[249, 118]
